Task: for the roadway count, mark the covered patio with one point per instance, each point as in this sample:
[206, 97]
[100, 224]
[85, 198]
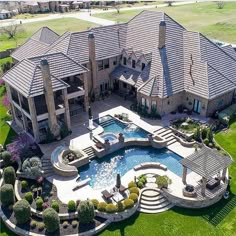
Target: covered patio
[212, 167]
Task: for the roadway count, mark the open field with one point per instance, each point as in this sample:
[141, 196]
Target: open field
[60, 26]
[203, 17]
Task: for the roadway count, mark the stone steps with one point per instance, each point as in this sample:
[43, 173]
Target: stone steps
[90, 152]
[152, 201]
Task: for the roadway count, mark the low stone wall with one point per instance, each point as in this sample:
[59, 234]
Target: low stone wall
[157, 142]
[192, 202]
[183, 143]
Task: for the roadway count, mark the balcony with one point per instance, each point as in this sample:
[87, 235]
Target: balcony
[76, 89]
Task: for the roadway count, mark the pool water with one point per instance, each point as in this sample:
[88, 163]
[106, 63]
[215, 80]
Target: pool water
[103, 171]
[110, 137]
[116, 127]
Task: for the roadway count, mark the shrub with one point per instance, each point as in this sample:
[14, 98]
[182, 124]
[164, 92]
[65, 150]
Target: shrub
[128, 203]
[163, 181]
[33, 224]
[7, 194]
[71, 205]
[22, 211]
[210, 135]
[6, 156]
[111, 208]
[132, 184]
[24, 184]
[95, 203]
[74, 223]
[134, 197]
[39, 203]
[140, 184]
[29, 197]
[32, 167]
[206, 141]
[9, 175]
[45, 205]
[120, 206]
[204, 133]
[197, 135]
[102, 206]
[65, 224]
[211, 145]
[41, 226]
[55, 206]
[134, 190]
[51, 219]
[86, 212]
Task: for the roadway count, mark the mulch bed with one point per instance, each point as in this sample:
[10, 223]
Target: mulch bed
[62, 231]
[49, 193]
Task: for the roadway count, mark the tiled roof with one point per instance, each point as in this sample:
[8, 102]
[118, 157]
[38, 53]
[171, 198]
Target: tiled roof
[230, 50]
[36, 45]
[31, 81]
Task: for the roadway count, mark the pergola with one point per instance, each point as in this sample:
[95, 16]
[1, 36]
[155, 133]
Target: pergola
[207, 163]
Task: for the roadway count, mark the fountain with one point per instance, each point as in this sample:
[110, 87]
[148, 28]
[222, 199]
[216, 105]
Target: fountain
[91, 126]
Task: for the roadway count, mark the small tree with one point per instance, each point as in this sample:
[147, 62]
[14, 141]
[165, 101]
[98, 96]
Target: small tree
[210, 135]
[86, 212]
[116, 5]
[220, 4]
[163, 181]
[6, 156]
[32, 167]
[169, 3]
[7, 194]
[9, 175]
[51, 219]
[197, 134]
[22, 211]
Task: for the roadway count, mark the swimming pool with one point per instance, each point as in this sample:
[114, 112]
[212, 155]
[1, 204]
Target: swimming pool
[103, 171]
[111, 125]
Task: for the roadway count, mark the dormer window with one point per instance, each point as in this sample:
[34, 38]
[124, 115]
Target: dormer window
[124, 61]
[143, 66]
[133, 63]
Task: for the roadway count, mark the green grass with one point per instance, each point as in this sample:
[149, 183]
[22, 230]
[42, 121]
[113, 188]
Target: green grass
[4, 231]
[203, 17]
[7, 134]
[60, 26]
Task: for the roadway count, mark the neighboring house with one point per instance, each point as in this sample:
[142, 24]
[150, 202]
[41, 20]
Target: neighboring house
[151, 58]
[5, 14]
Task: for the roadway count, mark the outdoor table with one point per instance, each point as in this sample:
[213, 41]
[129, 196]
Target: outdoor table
[117, 197]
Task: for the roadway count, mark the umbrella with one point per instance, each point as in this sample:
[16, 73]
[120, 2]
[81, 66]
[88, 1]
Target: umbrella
[90, 113]
[118, 181]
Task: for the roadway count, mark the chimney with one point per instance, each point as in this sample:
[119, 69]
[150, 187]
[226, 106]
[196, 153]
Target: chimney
[93, 63]
[49, 97]
[162, 34]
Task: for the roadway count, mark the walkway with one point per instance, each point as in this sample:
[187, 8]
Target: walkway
[84, 15]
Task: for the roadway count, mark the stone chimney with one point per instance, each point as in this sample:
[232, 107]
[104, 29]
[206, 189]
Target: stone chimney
[49, 97]
[93, 63]
[162, 34]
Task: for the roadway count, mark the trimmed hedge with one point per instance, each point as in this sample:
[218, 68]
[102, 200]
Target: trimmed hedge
[9, 175]
[95, 203]
[102, 206]
[86, 212]
[128, 203]
[132, 184]
[29, 197]
[134, 190]
[51, 219]
[7, 194]
[71, 205]
[111, 208]
[39, 203]
[24, 184]
[6, 156]
[134, 197]
[22, 211]
[120, 206]
[55, 206]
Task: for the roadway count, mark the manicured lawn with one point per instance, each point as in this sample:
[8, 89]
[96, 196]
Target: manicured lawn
[60, 26]
[203, 17]
[6, 133]
[4, 231]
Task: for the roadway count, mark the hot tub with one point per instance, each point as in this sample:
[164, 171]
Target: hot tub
[110, 137]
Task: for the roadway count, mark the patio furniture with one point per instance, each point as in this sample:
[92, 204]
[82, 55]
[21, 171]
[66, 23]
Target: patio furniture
[189, 191]
[117, 197]
[122, 188]
[107, 195]
[212, 183]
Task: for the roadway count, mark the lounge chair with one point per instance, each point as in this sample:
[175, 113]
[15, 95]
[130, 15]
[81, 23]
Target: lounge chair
[107, 195]
[122, 189]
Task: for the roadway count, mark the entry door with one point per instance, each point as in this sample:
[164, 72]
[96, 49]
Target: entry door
[197, 106]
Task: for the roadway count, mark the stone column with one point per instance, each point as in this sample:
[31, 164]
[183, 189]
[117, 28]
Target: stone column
[67, 109]
[223, 177]
[13, 112]
[86, 91]
[34, 120]
[49, 97]
[204, 181]
[24, 120]
[184, 176]
[93, 63]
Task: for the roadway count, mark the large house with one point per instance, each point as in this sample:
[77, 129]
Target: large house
[151, 57]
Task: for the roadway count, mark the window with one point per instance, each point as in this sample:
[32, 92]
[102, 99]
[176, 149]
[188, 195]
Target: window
[220, 103]
[124, 61]
[133, 63]
[124, 85]
[106, 86]
[106, 63]
[143, 101]
[147, 103]
[115, 61]
[101, 87]
[154, 104]
[100, 65]
[143, 66]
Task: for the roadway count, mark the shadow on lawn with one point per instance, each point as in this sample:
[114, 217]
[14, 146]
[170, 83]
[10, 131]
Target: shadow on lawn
[214, 214]
[10, 136]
